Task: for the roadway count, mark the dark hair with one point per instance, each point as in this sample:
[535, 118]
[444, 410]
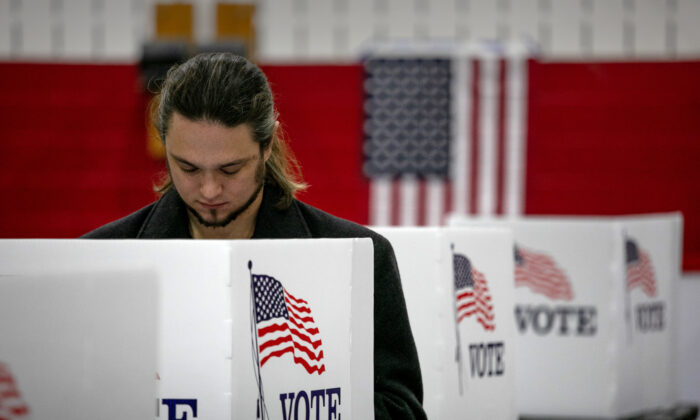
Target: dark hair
[230, 90]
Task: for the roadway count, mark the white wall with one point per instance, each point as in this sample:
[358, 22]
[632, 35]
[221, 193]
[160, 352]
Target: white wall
[336, 30]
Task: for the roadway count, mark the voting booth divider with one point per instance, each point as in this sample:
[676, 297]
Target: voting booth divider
[204, 329]
[458, 285]
[77, 346]
[593, 313]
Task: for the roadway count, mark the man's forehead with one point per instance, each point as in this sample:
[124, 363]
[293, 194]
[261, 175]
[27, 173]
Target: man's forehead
[205, 143]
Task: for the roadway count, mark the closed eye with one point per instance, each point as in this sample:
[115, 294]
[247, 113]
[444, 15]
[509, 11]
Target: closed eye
[229, 171]
[188, 169]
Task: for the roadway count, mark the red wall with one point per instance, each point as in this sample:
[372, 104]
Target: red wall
[321, 112]
[73, 142]
[602, 139]
[616, 138]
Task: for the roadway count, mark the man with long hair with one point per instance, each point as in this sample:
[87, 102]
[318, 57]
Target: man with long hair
[230, 176]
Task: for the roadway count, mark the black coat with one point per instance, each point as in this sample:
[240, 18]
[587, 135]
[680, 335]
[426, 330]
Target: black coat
[398, 391]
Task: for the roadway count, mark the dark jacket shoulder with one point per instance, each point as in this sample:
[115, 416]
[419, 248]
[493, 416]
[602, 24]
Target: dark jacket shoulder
[165, 218]
[322, 224]
[127, 227]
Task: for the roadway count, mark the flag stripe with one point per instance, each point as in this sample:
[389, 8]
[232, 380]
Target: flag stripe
[472, 205]
[473, 307]
[273, 328]
[395, 202]
[435, 199]
[501, 136]
[301, 303]
[542, 281]
[380, 189]
[516, 110]
[275, 342]
[289, 339]
[277, 353]
[298, 309]
[488, 130]
[408, 200]
[421, 218]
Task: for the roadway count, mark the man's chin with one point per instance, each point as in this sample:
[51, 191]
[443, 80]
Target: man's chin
[207, 222]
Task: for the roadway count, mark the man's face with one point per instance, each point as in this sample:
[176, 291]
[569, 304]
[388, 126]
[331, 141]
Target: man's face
[217, 170]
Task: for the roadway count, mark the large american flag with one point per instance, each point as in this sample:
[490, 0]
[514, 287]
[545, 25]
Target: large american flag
[285, 324]
[444, 133]
[541, 274]
[640, 271]
[472, 293]
[12, 407]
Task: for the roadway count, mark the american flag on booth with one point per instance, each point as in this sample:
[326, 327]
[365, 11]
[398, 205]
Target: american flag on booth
[541, 274]
[640, 271]
[472, 293]
[12, 406]
[444, 133]
[285, 325]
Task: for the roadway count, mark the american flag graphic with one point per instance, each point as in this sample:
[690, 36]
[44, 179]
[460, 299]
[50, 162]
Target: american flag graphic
[640, 271]
[285, 324]
[472, 293]
[12, 407]
[540, 273]
[444, 134]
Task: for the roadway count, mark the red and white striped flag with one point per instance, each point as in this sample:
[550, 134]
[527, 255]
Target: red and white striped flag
[285, 324]
[472, 293]
[541, 274]
[445, 134]
[640, 271]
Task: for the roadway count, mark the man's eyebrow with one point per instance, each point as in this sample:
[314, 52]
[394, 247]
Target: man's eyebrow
[237, 162]
[181, 160]
[225, 165]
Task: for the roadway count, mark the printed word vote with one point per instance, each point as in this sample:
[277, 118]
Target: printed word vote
[487, 359]
[563, 320]
[650, 316]
[319, 404]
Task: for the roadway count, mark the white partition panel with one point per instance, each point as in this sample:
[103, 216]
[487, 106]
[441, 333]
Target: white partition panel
[207, 292]
[328, 287]
[458, 285]
[592, 313]
[78, 346]
[652, 273]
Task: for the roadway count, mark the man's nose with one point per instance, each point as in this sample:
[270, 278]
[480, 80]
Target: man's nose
[210, 187]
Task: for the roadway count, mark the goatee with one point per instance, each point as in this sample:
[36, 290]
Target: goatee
[231, 216]
[259, 178]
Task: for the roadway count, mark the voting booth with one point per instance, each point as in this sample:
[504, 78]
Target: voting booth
[592, 313]
[238, 329]
[458, 285]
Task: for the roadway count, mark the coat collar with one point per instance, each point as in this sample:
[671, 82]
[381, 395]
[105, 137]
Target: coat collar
[169, 218]
[273, 223]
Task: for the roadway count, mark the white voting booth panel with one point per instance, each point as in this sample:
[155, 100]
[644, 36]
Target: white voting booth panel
[458, 285]
[581, 351]
[311, 300]
[78, 346]
[649, 306]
